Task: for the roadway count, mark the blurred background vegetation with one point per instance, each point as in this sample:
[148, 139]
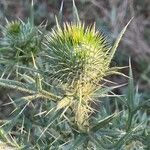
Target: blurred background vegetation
[110, 16]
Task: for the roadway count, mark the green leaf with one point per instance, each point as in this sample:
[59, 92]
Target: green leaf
[5, 141]
[130, 94]
[16, 85]
[32, 13]
[102, 123]
[100, 144]
[126, 137]
[27, 89]
[23, 100]
[79, 141]
[75, 13]
[51, 120]
[130, 98]
[143, 105]
[116, 146]
[96, 142]
[102, 91]
[114, 70]
[3, 49]
[114, 48]
[60, 15]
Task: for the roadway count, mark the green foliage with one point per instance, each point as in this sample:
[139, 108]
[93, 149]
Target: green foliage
[60, 77]
[21, 36]
[19, 42]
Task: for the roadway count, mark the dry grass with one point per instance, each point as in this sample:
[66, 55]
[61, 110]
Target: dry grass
[116, 13]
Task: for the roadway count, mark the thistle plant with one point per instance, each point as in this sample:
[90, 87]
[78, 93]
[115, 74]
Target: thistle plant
[79, 58]
[63, 74]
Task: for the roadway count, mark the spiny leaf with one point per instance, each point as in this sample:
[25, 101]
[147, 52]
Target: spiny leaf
[50, 122]
[27, 89]
[131, 92]
[6, 142]
[143, 105]
[114, 48]
[126, 137]
[102, 91]
[16, 85]
[79, 141]
[60, 15]
[104, 122]
[29, 98]
[32, 13]
[49, 95]
[99, 143]
[63, 103]
[75, 13]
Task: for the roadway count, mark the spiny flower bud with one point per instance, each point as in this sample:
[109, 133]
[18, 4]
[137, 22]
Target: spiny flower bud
[77, 53]
[20, 40]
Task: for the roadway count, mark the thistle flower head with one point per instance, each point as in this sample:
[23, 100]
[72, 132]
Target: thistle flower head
[77, 53]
